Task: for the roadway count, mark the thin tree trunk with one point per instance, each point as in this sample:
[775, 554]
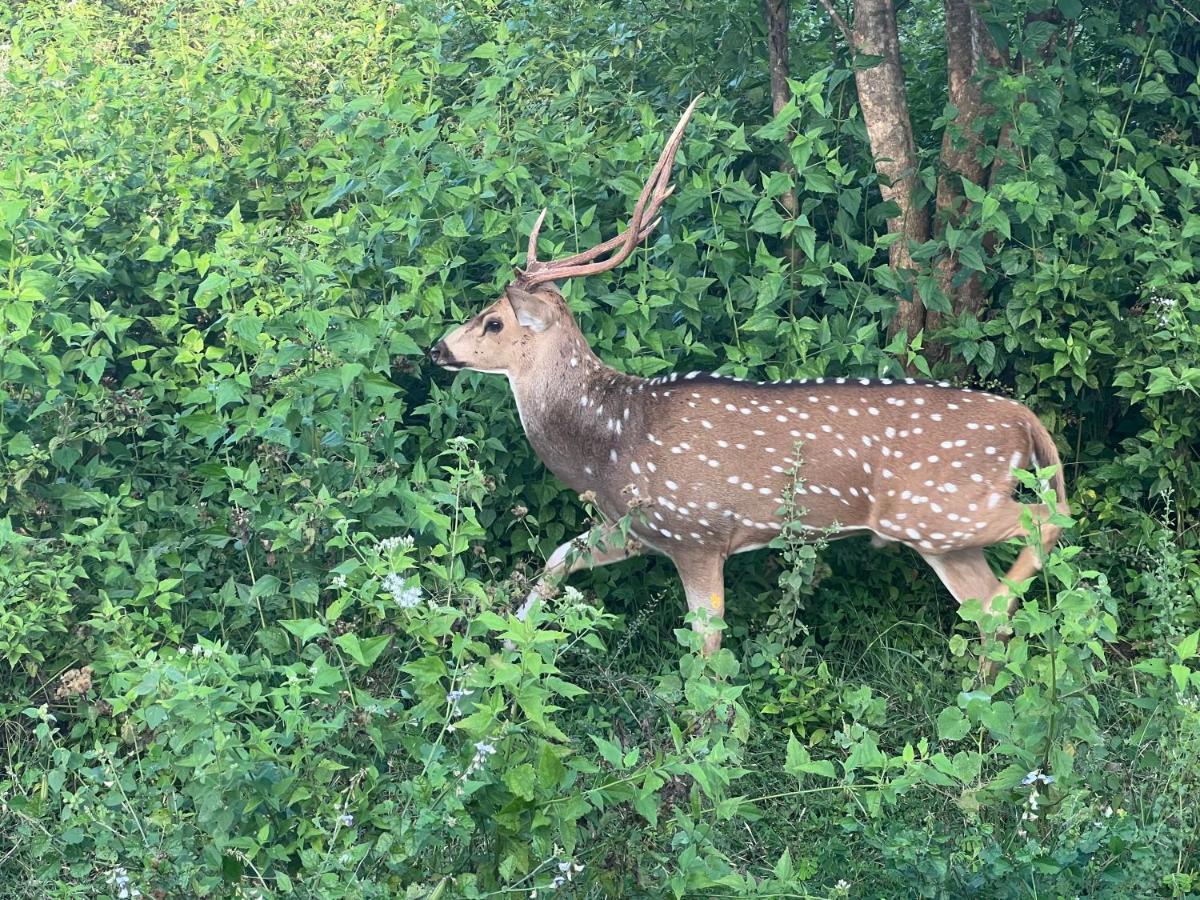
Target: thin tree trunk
[967, 46]
[777, 13]
[883, 98]
[1004, 145]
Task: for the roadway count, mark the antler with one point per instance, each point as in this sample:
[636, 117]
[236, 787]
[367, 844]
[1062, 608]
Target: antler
[657, 189]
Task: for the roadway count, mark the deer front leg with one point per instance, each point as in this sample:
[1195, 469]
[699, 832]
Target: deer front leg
[592, 549]
[703, 579]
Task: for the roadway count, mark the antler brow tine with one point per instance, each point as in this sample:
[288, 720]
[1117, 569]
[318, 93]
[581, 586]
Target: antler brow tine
[531, 259]
[656, 189]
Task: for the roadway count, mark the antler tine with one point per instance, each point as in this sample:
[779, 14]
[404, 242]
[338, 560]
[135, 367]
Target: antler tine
[600, 249]
[655, 191]
[531, 259]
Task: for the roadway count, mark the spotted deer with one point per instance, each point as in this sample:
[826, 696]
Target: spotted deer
[711, 462]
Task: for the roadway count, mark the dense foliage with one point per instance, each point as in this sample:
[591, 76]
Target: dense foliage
[257, 559]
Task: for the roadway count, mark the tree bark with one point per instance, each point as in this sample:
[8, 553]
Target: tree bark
[777, 14]
[968, 45]
[883, 98]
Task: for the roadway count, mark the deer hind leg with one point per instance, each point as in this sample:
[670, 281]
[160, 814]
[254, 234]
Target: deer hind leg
[1029, 561]
[592, 549]
[703, 578]
[967, 575]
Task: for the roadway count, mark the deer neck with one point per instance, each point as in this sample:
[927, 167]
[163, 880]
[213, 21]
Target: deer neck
[576, 411]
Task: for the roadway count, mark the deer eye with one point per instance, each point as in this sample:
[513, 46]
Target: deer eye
[492, 326]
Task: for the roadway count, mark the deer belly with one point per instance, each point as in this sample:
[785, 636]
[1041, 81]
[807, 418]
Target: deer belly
[737, 516]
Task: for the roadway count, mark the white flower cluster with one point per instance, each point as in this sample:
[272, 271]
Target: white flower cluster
[120, 880]
[1036, 776]
[405, 597]
[452, 697]
[1032, 780]
[1163, 307]
[567, 870]
[482, 751]
[403, 542]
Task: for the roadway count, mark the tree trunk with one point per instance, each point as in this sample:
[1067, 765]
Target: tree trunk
[967, 46]
[777, 13]
[883, 99]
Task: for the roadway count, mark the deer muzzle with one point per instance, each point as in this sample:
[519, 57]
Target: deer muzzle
[440, 355]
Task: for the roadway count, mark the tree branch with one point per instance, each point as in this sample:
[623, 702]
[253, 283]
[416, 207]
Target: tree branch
[839, 21]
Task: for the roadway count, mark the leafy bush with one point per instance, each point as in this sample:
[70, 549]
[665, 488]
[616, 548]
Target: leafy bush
[257, 561]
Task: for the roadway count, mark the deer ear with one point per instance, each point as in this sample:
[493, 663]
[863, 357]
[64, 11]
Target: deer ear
[535, 312]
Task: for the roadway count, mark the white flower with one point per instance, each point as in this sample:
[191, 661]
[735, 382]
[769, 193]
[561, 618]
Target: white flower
[404, 542]
[405, 597]
[347, 820]
[120, 880]
[482, 751]
[339, 583]
[452, 697]
[1035, 776]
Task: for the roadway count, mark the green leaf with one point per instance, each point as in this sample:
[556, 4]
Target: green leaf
[952, 725]
[363, 652]
[304, 629]
[209, 289]
[1187, 647]
[19, 445]
[210, 139]
[784, 868]
[798, 763]
[609, 751]
[1181, 674]
[486, 50]
[521, 780]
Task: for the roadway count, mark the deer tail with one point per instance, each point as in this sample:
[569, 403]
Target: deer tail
[1045, 454]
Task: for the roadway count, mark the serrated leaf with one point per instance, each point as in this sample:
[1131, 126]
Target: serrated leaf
[521, 781]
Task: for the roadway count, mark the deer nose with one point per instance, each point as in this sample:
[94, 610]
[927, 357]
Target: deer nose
[435, 352]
